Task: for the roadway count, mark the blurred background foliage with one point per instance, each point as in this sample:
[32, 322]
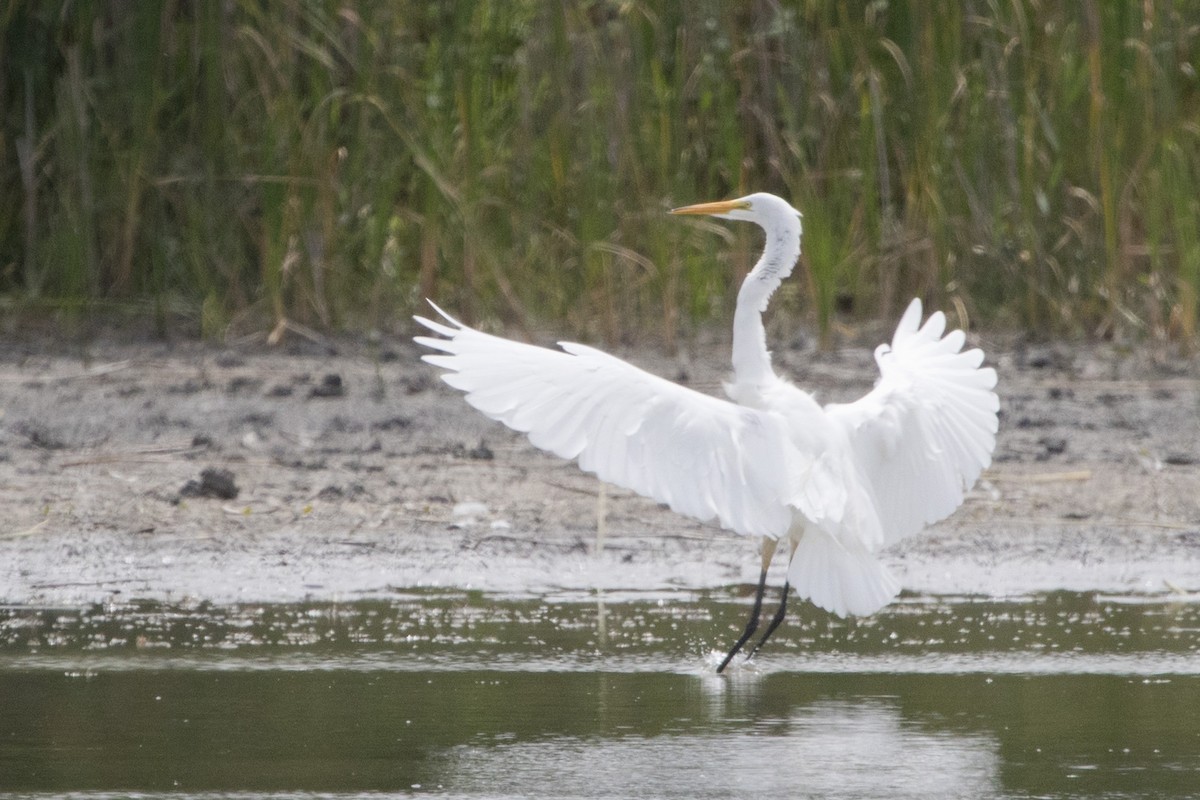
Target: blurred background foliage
[327, 163]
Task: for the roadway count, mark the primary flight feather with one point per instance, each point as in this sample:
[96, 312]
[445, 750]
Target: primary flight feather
[835, 483]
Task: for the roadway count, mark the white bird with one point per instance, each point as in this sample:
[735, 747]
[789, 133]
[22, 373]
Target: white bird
[835, 483]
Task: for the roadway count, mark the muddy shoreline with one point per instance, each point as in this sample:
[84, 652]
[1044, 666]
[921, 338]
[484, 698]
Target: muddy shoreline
[359, 475]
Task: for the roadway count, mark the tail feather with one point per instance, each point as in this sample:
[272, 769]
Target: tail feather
[843, 581]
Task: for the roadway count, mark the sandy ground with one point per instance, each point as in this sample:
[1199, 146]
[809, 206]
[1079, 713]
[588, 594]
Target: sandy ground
[358, 475]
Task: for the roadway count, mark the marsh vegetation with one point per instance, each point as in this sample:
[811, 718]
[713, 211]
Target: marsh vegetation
[328, 164]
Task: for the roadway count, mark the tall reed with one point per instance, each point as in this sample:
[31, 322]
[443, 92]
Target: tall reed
[323, 163]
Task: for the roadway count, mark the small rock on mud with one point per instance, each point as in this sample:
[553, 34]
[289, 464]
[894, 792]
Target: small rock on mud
[214, 482]
[330, 386]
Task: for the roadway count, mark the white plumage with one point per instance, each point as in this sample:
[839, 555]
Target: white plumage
[837, 483]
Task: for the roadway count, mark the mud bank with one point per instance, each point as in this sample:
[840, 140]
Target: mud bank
[192, 473]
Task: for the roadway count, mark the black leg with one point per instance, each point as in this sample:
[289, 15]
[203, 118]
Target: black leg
[752, 625]
[775, 620]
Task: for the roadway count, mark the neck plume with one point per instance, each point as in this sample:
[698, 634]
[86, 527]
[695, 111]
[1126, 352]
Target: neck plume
[751, 359]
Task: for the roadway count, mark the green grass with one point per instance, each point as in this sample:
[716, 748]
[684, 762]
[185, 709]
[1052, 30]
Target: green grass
[239, 165]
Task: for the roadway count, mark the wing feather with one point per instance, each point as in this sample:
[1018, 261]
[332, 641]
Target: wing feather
[927, 430]
[704, 457]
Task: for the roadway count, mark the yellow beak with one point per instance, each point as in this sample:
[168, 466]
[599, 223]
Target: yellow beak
[719, 207]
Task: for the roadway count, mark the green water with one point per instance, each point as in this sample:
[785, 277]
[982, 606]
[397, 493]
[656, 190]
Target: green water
[462, 695]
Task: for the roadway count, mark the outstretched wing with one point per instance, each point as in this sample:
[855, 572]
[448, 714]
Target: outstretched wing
[702, 456]
[926, 431]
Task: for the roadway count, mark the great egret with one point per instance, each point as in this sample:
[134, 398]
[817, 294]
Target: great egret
[836, 483]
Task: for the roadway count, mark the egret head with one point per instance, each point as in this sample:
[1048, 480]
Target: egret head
[759, 207]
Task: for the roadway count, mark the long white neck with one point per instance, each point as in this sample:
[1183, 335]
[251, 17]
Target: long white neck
[751, 359]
